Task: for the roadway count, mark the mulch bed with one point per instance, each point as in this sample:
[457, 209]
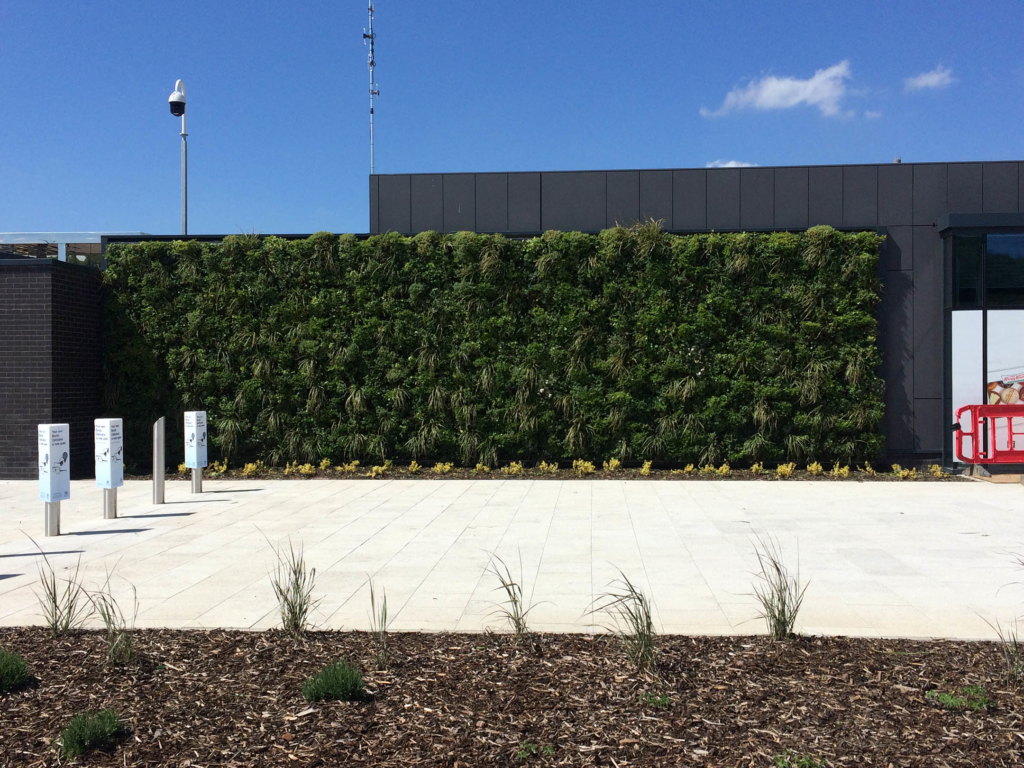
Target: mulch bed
[223, 698]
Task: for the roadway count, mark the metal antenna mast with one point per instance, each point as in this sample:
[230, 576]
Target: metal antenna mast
[368, 35]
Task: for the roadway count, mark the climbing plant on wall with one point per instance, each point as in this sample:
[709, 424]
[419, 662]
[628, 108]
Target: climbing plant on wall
[632, 343]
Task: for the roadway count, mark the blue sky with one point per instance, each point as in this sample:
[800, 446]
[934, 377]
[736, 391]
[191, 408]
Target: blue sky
[277, 97]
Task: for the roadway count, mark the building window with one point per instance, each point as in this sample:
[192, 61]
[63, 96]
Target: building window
[968, 257]
[1004, 270]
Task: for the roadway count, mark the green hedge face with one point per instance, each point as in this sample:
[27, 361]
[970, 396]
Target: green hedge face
[632, 343]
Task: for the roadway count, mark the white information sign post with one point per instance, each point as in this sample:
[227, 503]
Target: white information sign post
[196, 440]
[108, 436]
[54, 472]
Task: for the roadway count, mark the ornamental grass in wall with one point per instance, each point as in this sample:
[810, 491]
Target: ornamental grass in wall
[466, 348]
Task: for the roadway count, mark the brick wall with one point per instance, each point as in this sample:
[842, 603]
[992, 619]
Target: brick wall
[50, 360]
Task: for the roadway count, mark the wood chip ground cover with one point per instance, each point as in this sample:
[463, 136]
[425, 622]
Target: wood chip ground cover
[226, 698]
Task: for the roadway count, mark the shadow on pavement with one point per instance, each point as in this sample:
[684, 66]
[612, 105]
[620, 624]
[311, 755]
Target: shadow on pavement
[109, 530]
[37, 554]
[163, 514]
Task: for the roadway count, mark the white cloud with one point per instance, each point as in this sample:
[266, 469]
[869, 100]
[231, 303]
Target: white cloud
[939, 77]
[730, 164]
[870, 115]
[824, 90]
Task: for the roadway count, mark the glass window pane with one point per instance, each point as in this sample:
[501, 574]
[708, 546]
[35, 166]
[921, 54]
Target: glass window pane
[967, 258]
[1004, 271]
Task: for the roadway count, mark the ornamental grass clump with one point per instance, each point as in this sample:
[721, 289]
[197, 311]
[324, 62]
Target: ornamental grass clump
[338, 681]
[64, 601]
[630, 612]
[13, 671]
[119, 627]
[513, 609]
[379, 622]
[779, 593]
[293, 582]
[91, 730]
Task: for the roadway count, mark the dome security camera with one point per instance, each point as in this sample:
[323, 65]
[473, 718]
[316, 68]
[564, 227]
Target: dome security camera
[177, 99]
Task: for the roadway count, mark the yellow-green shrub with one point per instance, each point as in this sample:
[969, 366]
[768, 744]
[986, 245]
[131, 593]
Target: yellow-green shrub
[581, 467]
[785, 470]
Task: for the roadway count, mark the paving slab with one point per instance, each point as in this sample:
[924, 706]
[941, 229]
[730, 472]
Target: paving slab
[882, 559]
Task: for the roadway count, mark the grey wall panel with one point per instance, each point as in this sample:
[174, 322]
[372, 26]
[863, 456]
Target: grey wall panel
[895, 194]
[623, 198]
[791, 198]
[860, 196]
[929, 192]
[460, 202]
[897, 252]
[656, 197]
[393, 203]
[927, 313]
[492, 202]
[427, 202]
[757, 198]
[928, 424]
[964, 185]
[524, 202]
[374, 218]
[825, 201]
[1000, 187]
[896, 343]
[573, 201]
[1020, 189]
[689, 199]
[723, 198]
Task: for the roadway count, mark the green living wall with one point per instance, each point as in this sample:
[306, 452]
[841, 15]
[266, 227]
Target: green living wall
[632, 343]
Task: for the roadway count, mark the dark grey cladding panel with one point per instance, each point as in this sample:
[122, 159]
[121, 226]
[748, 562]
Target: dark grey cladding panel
[492, 202]
[689, 199]
[1020, 191]
[757, 198]
[524, 202]
[656, 197]
[896, 343]
[575, 201]
[791, 198]
[825, 201]
[860, 196]
[374, 218]
[427, 203]
[927, 313]
[964, 188]
[393, 203]
[928, 424]
[623, 198]
[459, 202]
[723, 198]
[895, 194]
[1000, 187]
[897, 252]
[929, 193]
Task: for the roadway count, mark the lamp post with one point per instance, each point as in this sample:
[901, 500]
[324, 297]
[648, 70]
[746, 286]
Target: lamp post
[177, 103]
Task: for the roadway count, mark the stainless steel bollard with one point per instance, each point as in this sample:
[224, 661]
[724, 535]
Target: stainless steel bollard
[52, 518]
[159, 463]
[110, 503]
[197, 480]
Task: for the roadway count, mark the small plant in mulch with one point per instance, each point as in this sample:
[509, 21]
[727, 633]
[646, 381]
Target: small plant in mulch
[119, 626]
[91, 730]
[64, 601]
[513, 609]
[630, 611]
[379, 626]
[649, 699]
[13, 672]
[791, 759]
[529, 749]
[779, 593]
[964, 698]
[338, 681]
[1011, 647]
[293, 582]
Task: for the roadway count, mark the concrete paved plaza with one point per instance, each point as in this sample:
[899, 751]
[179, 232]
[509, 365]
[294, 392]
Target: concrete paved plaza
[890, 559]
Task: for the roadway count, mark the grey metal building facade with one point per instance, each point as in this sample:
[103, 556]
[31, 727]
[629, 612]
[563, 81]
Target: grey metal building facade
[905, 201]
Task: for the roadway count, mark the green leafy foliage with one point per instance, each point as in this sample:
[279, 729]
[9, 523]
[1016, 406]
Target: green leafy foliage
[91, 730]
[338, 681]
[13, 671]
[468, 348]
[967, 697]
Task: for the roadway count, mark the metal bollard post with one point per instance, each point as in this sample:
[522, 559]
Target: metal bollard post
[52, 518]
[110, 503]
[159, 463]
[197, 480]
